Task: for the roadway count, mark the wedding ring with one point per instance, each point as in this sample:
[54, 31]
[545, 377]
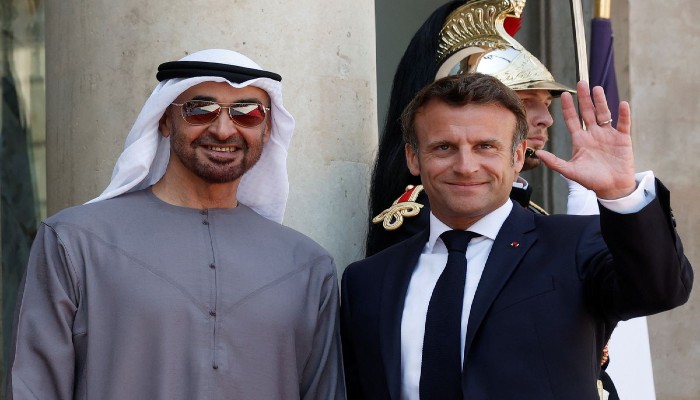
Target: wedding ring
[605, 123]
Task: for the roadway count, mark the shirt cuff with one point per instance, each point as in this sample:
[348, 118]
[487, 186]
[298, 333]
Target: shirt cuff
[644, 194]
[580, 201]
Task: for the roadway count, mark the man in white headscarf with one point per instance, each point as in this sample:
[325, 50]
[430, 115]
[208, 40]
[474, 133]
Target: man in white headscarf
[178, 281]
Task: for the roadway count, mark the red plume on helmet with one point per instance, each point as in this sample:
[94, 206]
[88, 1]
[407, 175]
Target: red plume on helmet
[512, 25]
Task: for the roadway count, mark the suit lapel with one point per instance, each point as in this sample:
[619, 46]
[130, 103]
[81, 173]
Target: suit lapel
[514, 239]
[403, 260]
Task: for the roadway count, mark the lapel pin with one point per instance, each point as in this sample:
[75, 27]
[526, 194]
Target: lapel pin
[514, 244]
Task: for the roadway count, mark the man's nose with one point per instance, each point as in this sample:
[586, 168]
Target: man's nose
[223, 126]
[540, 116]
[465, 162]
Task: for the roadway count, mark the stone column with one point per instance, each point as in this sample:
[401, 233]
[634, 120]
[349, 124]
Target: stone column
[664, 54]
[101, 59]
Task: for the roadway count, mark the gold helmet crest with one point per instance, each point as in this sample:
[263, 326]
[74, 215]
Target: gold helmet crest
[473, 39]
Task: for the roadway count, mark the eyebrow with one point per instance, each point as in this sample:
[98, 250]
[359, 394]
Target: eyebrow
[205, 98]
[246, 100]
[534, 96]
[489, 141]
[439, 142]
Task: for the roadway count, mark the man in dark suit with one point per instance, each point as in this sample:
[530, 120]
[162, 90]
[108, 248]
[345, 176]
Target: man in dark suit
[539, 293]
[494, 51]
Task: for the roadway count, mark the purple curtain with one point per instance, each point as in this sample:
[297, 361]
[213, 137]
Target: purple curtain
[602, 63]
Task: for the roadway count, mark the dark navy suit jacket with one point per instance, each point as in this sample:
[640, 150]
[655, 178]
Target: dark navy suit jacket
[551, 289]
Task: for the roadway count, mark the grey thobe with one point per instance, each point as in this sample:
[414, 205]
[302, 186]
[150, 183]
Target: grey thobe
[133, 298]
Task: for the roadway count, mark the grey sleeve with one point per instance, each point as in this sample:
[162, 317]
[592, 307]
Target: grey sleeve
[323, 377]
[42, 357]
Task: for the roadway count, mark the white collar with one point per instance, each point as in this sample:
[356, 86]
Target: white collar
[488, 226]
[520, 183]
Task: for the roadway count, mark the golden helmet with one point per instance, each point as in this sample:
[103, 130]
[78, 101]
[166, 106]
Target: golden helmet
[473, 39]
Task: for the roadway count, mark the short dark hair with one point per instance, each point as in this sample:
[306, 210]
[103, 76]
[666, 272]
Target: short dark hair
[461, 90]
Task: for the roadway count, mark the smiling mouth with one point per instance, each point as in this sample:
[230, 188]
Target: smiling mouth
[222, 149]
[467, 184]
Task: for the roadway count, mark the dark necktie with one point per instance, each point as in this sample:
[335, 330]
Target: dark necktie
[441, 369]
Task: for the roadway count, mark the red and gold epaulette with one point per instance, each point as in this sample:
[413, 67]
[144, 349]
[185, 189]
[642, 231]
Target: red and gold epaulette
[404, 206]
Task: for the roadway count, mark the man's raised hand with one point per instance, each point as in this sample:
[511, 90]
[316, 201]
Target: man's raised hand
[602, 158]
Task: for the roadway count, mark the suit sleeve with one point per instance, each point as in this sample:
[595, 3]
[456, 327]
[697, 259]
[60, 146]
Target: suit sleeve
[323, 375]
[42, 356]
[349, 360]
[646, 270]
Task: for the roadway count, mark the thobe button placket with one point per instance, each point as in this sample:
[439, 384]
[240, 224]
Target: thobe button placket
[214, 292]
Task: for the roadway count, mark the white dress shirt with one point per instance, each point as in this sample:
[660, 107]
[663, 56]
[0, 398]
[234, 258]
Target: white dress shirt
[432, 262]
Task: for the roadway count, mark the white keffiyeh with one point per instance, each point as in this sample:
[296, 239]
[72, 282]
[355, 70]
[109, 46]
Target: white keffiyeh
[264, 187]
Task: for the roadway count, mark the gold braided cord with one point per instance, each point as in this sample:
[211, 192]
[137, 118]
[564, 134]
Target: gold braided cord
[392, 218]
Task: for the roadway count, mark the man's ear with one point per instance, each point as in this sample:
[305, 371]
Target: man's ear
[519, 156]
[412, 160]
[165, 124]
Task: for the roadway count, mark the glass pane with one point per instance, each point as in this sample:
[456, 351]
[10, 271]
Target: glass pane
[22, 148]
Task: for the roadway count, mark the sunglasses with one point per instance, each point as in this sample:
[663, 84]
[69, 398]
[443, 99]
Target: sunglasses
[202, 112]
